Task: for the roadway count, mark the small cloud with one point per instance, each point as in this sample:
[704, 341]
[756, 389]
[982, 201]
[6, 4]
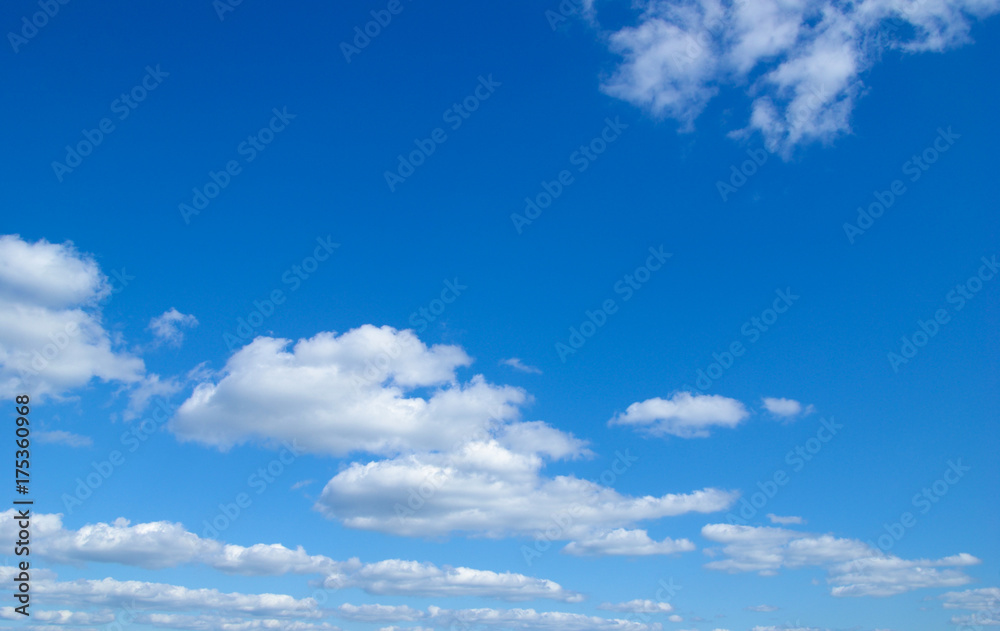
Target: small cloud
[785, 521]
[167, 327]
[762, 608]
[684, 415]
[622, 542]
[516, 364]
[303, 483]
[787, 408]
[200, 373]
[59, 437]
[675, 618]
[638, 606]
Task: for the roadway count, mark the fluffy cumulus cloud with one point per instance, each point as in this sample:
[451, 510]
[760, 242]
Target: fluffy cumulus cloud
[684, 414]
[169, 327]
[342, 393]
[156, 545]
[108, 592]
[800, 61]
[455, 457]
[412, 578]
[90, 602]
[124, 616]
[853, 567]
[485, 488]
[51, 336]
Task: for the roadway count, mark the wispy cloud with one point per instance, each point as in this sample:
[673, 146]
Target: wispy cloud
[801, 61]
[785, 521]
[517, 364]
[59, 437]
[854, 568]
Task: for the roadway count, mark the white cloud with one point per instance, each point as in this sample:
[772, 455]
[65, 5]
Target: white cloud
[484, 488]
[51, 336]
[888, 576]
[48, 274]
[62, 616]
[800, 61]
[168, 328]
[977, 620]
[397, 577]
[786, 408]
[161, 544]
[177, 607]
[622, 542]
[209, 622]
[487, 617]
[762, 608]
[972, 599]
[534, 620]
[126, 616]
[59, 437]
[766, 549]
[148, 389]
[150, 545]
[379, 613]
[985, 602]
[109, 592]
[536, 437]
[638, 606]
[340, 394]
[459, 459]
[651, 74]
[675, 618]
[785, 521]
[684, 415]
[853, 567]
[517, 364]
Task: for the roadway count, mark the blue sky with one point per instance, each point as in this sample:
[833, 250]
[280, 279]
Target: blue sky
[601, 315]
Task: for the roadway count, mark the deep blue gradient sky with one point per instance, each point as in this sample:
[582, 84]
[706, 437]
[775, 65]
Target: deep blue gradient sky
[655, 186]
